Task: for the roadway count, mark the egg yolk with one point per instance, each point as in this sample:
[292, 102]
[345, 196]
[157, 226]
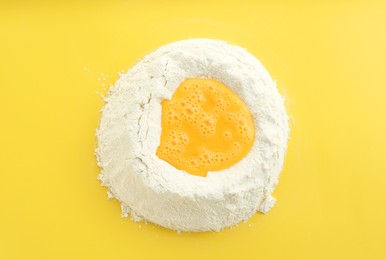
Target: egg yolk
[205, 127]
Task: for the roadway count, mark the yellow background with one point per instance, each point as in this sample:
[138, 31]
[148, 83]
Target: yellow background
[328, 59]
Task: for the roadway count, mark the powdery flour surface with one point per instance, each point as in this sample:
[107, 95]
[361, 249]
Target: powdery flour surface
[150, 189]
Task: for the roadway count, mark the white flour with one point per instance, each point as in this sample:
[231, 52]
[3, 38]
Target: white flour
[152, 190]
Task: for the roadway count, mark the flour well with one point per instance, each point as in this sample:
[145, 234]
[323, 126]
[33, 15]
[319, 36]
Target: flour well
[149, 188]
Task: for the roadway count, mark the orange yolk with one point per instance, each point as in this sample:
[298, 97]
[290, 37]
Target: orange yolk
[205, 127]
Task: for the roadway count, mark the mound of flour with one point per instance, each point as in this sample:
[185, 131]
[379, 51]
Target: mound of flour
[149, 188]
